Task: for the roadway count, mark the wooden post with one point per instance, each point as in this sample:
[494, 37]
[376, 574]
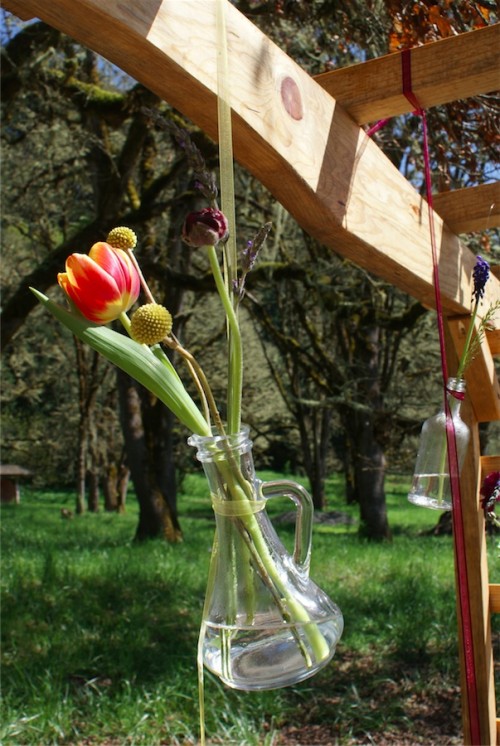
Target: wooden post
[477, 578]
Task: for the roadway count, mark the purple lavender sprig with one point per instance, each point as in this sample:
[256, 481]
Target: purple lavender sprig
[480, 275]
[204, 179]
[249, 257]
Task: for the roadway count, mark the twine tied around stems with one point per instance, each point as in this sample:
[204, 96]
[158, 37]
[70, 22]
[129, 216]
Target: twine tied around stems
[235, 508]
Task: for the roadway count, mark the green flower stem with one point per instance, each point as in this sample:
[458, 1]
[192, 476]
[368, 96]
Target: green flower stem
[139, 361]
[444, 454]
[200, 379]
[125, 322]
[145, 287]
[292, 610]
[194, 368]
[236, 348]
[464, 359]
[226, 177]
[444, 451]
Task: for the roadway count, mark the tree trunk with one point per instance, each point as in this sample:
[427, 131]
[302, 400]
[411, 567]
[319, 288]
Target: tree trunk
[147, 456]
[114, 487]
[110, 488]
[123, 480]
[80, 468]
[81, 455]
[95, 453]
[360, 424]
[369, 482]
[314, 432]
[93, 491]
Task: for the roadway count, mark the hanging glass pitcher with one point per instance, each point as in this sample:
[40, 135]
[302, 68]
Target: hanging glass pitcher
[265, 623]
[431, 481]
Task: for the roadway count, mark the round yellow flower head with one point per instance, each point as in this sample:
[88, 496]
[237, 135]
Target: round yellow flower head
[150, 324]
[122, 238]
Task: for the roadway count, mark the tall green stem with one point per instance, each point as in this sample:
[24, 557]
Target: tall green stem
[228, 208]
[465, 354]
[443, 472]
[236, 349]
[292, 609]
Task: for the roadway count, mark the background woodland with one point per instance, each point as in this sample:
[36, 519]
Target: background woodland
[341, 368]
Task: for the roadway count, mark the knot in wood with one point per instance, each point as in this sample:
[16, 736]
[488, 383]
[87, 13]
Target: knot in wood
[292, 101]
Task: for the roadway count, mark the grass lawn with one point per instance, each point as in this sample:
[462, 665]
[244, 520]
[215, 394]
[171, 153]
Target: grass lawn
[100, 634]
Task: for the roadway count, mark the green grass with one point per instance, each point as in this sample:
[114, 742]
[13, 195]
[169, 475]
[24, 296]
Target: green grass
[100, 634]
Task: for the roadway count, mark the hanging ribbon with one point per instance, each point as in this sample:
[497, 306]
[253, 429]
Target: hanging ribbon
[457, 515]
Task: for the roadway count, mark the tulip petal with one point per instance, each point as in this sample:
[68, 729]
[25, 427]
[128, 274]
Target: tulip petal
[108, 260]
[100, 293]
[92, 290]
[118, 264]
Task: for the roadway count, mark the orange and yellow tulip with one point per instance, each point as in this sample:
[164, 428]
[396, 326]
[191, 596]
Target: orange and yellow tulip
[103, 284]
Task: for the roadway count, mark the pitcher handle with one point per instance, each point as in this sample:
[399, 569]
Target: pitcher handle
[303, 522]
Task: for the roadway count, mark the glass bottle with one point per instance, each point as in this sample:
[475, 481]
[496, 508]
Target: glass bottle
[431, 480]
[266, 624]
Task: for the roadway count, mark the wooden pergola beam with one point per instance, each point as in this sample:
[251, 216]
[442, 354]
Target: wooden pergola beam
[493, 339]
[287, 130]
[467, 210]
[300, 143]
[442, 71]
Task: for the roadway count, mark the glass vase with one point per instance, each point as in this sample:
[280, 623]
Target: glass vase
[266, 624]
[431, 481]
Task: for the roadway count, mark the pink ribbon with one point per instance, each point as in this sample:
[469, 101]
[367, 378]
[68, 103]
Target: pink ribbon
[456, 500]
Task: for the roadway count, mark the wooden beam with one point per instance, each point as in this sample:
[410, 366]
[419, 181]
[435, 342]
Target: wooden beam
[474, 548]
[16, 8]
[473, 209]
[495, 598]
[479, 600]
[493, 335]
[441, 71]
[288, 131]
[493, 338]
[489, 464]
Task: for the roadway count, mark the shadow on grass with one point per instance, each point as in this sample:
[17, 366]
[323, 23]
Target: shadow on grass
[362, 699]
[80, 626]
[85, 611]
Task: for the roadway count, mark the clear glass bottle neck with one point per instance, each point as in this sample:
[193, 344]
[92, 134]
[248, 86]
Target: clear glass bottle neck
[456, 384]
[455, 389]
[212, 447]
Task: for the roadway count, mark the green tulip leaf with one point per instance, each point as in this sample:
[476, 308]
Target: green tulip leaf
[157, 375]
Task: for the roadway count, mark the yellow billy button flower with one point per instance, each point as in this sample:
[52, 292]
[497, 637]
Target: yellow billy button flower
[150, 324]
[122, 238]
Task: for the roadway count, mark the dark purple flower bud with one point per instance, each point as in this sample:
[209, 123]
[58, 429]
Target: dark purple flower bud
[480, 274]
[490, 496]
[205, 228]
[491, 483]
